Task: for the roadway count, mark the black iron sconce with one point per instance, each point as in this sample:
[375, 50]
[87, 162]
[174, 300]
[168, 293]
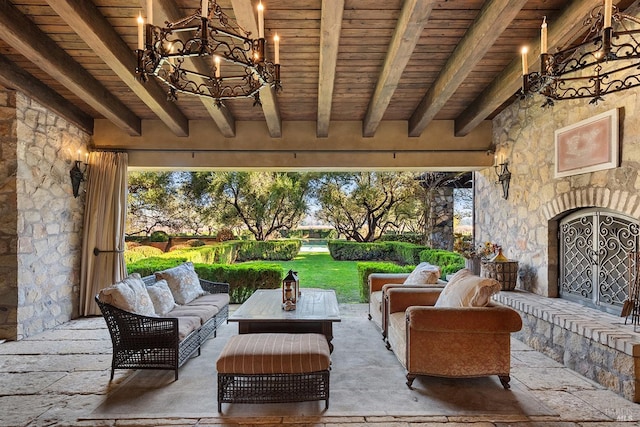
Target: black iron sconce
[504, 177]
[77, 176]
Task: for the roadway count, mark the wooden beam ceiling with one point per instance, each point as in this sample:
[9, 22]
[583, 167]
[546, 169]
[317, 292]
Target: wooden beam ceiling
[493, 19]
[510, 79]
[330, 27]
[245, 17]
[412, 20]
[87, 21]
[16, 78]
[30, 41]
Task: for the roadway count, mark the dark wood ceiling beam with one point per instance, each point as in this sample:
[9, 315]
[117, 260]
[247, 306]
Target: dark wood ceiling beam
[87, 21]
[167, 10]
[411, 22]
[14, 77]
[25, 36]
[510, 79]
[246, 18]
[493, 19]
[330, 27]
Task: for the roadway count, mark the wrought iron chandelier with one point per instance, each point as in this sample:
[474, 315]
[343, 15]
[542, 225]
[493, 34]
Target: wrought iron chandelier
[604, 62]
[171, 54]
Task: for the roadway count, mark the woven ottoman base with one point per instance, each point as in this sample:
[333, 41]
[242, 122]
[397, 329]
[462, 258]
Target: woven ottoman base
[274, 368]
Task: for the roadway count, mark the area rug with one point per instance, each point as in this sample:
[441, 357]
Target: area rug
[366, 380]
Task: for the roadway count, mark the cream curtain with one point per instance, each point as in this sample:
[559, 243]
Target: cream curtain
[104, 227]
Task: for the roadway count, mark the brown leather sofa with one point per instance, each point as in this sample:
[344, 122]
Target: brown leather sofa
[449, 342]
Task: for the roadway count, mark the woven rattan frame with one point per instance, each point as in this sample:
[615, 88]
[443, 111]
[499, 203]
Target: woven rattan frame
[273, 388]
[142, 342]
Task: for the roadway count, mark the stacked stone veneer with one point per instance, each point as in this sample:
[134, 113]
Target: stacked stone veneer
[41, 224]
[594, 344]
[440, 219]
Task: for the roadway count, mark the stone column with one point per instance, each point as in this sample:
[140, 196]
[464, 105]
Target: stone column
[440, 219]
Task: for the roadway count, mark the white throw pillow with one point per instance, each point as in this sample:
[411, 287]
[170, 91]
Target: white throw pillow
[162, 298]
[183, 282]
[130, 295]
[468, 290]
[423, 274]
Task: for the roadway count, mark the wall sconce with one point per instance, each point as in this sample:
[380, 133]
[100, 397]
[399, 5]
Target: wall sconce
[77, 174]
[504, 177]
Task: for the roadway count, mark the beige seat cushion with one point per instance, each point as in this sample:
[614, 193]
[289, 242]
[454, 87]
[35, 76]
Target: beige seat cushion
[130, 295]
[219, 300]
[183, 282]
[423, 274]
[203, 312]
[274, 354]
[187, 325]
[467, 290]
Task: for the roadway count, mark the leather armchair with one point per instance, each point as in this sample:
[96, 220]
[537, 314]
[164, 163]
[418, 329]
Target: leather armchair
[449, 342]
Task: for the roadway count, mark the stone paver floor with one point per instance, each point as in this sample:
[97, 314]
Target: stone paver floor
[57, 377]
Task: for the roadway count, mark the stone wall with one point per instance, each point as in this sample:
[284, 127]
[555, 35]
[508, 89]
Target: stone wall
[524, 224]
[8, 216]
[48, 219]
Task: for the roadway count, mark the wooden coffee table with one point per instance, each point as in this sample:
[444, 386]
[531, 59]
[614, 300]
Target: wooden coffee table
[316, 311]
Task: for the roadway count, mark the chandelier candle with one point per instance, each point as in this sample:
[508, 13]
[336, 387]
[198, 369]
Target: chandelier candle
[205, 8]
[525, 65]
[150, 12]
[260, 20]
[276, 44]
[140, 31]
[543, 36]
[608, 6]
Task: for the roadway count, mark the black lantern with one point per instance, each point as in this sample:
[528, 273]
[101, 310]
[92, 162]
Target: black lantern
[290, 290]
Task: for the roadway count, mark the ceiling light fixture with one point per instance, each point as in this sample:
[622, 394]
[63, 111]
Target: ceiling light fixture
[604, 62]
[171, 54]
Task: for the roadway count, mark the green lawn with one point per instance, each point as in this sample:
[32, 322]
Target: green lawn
[319, 270]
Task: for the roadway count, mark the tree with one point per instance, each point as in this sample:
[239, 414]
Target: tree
[362, 205]
[265, 202]
[151, 202]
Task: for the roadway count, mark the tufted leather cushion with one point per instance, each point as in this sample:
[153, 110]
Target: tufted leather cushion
[274, 354]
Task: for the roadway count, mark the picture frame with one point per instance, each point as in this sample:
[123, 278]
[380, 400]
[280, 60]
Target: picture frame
[587, 146]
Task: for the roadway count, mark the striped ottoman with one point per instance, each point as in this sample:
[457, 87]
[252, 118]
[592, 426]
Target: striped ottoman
[271, 368]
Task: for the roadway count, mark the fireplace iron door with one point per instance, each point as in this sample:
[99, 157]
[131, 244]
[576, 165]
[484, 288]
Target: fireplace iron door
[594, 248]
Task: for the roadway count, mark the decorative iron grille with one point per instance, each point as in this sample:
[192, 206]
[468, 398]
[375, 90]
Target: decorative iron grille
[594, 248]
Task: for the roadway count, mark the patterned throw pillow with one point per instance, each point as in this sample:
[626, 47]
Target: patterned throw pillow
[423, 274]
[467, 290]
[183, 282]
[130, 295]
[161, 297]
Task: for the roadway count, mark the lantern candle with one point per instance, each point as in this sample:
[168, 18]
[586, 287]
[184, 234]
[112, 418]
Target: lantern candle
[260, 20]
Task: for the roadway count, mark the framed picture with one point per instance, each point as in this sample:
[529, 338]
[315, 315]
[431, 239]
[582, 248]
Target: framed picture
[587, 146]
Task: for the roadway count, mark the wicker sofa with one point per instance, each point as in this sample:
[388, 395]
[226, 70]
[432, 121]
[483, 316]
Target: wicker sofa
[466, 341]
[168, 341]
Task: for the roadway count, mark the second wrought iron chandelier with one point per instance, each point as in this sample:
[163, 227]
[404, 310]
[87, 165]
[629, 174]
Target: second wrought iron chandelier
[606, 60]
[188, 55]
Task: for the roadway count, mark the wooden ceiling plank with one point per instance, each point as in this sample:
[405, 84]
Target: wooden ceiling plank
[14, 77]
[25, 36]
[510, 79]
[167, 10]
[245, 17]
[95, 30]
[411, 22]
[330, 27]
[492, 20]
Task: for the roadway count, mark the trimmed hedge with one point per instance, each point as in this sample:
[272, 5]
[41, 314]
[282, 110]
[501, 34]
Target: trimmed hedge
[243, 279]
[400, 252]
[449, 262]
[366, 268]
[272, 250]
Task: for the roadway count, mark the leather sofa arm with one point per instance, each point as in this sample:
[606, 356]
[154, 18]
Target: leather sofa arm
[493, 318]
[378, 280]
[399, 299]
